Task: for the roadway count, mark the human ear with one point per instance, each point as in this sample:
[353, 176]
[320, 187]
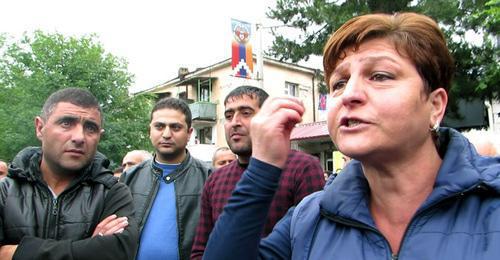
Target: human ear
[39, 125]
[438, 100]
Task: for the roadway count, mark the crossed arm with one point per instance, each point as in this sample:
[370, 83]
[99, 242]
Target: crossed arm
[108, 226]
[113, 238]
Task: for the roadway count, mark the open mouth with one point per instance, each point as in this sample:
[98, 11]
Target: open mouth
[350, 122]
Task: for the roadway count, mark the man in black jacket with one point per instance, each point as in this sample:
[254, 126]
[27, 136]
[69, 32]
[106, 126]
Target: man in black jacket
[60, 201]
[167, 189]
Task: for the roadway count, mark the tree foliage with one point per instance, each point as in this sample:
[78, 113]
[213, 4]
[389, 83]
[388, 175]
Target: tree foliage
[477, 74]
[39, 63]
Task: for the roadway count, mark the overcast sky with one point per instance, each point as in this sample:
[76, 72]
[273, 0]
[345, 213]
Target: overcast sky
[155, 37]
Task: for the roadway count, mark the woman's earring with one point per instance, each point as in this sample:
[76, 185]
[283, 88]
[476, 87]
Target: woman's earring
[435, 128]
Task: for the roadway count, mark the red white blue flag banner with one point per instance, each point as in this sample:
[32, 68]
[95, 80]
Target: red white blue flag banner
[322, 101]
[242, 60]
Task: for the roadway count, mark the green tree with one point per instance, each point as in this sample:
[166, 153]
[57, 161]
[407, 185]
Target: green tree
[478, 72]
[40, 63]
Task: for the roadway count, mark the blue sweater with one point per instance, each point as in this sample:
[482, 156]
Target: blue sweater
[159, 237]
[459, 220]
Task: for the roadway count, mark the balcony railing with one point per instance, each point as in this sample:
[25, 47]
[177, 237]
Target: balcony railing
[203, 111]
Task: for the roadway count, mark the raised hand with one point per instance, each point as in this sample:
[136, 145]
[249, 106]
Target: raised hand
[271, 128]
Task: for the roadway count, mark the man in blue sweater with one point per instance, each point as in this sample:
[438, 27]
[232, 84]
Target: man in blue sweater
[167, 189]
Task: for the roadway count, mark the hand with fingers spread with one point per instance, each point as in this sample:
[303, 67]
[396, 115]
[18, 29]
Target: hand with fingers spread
[271, 129]
[111, 225]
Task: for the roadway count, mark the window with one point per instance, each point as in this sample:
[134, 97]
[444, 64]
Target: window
[204, 93]
[329, 165]
[204, 88]
[291, 89]
[205, 135]
[329, 161]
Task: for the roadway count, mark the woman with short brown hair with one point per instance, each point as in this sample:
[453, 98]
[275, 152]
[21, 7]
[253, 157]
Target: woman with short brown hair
[413, 191]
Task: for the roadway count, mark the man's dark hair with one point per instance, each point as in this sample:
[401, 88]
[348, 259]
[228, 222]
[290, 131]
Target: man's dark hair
[175, 104]
[250, 91]
[76, 96]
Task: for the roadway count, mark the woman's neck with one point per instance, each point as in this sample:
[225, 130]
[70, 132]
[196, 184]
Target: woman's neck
[398, 188]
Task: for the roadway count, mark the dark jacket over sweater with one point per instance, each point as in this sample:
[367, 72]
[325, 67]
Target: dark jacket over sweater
[189, 177]
[45, 227]
[460, 219]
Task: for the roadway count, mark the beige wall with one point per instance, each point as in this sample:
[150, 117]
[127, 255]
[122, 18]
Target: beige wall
[274, 83]
[275, 77]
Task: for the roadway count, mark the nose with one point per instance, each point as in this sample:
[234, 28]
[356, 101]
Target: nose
[354, 92]
[166, 133]
[78, 136]
[236, 120]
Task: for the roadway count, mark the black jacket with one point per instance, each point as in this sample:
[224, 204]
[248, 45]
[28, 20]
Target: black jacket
[47, 228]
[189, 177]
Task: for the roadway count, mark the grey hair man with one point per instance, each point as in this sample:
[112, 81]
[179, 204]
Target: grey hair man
[135, 157]
[486, 143]
[223, 156]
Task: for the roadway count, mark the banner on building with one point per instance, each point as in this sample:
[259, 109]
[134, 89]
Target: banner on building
[322, 102]
[242, 60]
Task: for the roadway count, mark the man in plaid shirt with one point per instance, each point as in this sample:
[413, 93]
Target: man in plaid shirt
[301, 176]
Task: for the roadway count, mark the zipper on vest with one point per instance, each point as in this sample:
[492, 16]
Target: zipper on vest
[394, 257]
[53, 218]
[54, 206]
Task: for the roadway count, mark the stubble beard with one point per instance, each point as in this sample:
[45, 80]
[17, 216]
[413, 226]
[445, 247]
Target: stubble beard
[66, 171]
[169, 155]
[242, 150]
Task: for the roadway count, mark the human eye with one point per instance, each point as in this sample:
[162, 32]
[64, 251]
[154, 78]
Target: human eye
[381, 76]
[247, 112]
[66, 122]
[91, 128]
[176, 127]
[228, 115]
[158, 126]
[337, 85]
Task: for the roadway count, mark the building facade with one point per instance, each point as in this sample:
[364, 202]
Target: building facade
[205, 89]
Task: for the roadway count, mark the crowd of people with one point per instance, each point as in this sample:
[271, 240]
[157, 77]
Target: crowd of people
[410, 189]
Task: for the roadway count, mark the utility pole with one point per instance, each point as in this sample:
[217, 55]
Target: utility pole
[260, 56]
[259, 27]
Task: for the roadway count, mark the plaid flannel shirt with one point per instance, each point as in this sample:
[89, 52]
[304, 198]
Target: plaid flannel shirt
[301, 176]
